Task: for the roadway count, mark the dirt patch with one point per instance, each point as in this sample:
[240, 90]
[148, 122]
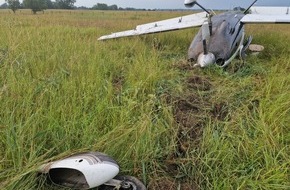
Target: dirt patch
[189, 115]
[192, 109]
[186, 105]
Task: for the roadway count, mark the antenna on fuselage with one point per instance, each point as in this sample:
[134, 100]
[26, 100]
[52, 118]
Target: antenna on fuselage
[245, 12]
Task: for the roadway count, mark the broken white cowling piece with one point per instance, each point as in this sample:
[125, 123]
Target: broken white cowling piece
[81, 171]
[162, 26]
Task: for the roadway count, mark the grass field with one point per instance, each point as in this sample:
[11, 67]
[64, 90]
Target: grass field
[138, 100]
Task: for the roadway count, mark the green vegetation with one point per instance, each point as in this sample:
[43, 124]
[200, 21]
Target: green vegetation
[138, 100]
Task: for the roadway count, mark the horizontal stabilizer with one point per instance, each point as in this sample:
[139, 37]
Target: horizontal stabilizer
[263, 18]
[188, 21]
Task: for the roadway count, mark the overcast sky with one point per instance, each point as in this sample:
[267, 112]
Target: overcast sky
[178, 4]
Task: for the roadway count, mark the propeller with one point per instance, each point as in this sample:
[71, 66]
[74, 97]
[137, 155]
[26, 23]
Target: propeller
[205, 58]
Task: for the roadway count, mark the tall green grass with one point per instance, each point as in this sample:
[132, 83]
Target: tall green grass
[62, 91]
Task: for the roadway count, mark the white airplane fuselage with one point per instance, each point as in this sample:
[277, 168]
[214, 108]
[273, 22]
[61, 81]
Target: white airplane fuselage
[225, 41]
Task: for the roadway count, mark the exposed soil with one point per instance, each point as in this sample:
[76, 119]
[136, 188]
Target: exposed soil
[192, 110]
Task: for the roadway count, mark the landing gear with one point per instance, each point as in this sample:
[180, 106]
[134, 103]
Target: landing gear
[245, 47]
[123, 183]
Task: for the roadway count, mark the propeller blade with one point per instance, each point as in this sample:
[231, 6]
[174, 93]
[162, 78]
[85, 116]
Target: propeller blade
[205, 33]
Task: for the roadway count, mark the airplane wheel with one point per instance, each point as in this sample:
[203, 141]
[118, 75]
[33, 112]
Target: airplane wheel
[128, 183]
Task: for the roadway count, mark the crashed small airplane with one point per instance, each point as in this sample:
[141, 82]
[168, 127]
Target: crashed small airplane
[221, 37]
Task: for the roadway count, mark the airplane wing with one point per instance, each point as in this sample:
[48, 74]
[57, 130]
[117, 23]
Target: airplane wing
[188, 21]
[264, 18]
[267, 15]
[270, 10]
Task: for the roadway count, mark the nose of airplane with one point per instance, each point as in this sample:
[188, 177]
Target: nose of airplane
[204, 60]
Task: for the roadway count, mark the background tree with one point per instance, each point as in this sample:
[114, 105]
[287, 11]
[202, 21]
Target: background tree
[113, 7]
[13, 4]
[100, 6]
[35, 5]
[103, 6]
[4, 6]
[50, 4]
[65, 4]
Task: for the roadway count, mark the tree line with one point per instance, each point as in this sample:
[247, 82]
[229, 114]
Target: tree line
[40, 5]
[103, 6]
